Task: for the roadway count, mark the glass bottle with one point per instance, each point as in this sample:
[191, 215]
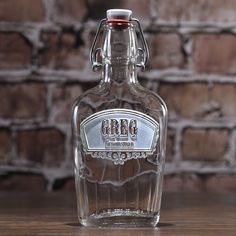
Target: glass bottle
[119, 133]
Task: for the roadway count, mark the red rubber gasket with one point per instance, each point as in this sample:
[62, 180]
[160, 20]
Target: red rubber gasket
[118, 21]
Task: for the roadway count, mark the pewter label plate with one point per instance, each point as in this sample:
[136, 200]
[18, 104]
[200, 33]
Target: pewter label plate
[119, 135]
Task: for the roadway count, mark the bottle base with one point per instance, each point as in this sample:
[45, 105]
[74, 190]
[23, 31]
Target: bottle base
[121, 218]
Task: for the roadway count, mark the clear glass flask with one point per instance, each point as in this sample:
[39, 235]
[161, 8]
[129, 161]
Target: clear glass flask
[119, 133]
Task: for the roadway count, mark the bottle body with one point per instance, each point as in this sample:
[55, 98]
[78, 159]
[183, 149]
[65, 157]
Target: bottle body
[107, 193]
[119, 135]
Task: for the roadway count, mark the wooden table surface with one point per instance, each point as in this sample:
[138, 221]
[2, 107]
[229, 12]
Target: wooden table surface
[55, 214]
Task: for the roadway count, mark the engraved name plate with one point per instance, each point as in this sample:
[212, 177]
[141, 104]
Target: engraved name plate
[119, 135]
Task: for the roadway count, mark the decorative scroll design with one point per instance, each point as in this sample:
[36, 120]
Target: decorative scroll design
[119, 158]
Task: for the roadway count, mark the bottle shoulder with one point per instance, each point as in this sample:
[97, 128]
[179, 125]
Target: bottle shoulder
[151, 98]
[92, 93]
[123, 95]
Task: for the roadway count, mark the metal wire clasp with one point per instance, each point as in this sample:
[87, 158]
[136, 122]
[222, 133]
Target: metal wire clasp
[143, 53]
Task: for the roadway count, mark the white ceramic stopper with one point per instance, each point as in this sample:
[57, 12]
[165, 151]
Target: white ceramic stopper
[123, 14]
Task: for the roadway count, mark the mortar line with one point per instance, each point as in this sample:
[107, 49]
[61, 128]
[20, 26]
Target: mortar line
[63, 127]
[48, 5]
[232, 149]
[178, 148]
[152, 26]
[169, 75]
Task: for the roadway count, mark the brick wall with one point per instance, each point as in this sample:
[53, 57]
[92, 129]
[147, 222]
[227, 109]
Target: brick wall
[44, 66]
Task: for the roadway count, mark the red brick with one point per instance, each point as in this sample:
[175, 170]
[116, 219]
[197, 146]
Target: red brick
[198, 101]
[67, 184]
[22, 182]
[224, 98]
[69, 11]
[23, 10]
[204, 144]
[221, 183]
[62, 101]
[22, 101]
[98, 8]
[215, 53]
[212, 11]
[62, 51]
[183, 183]
[15, 52]
[185, 100]
[140, 9]
[41, 147]
[165, 51]
[5, 145]
[172, 183]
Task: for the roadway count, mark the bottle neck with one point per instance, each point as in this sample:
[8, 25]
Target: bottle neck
[120, 53]
[120, 73]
